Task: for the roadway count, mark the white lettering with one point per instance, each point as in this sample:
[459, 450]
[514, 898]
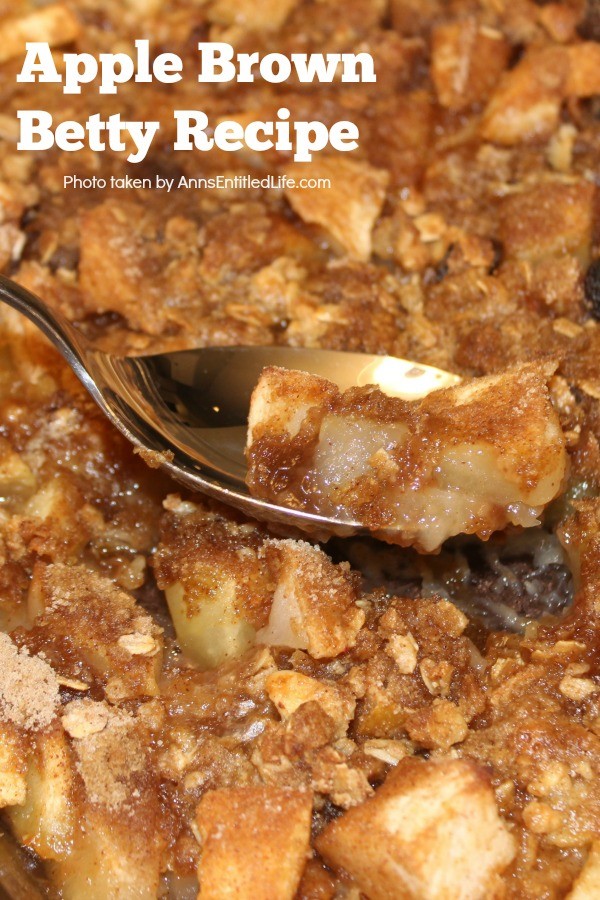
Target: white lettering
[351, 62]
[302, 138]
[229, 136]
[283, 130]
[310, 136]
[142, 134]
[80, 68]
[246, 61]
[215, 62]
[191, 124]
[116, 68]
[38, 61]
[316, 65]
[275, 68]
[251, 137]
[35, 130]
[69, 136]
[167, 68]
[164, 184]
[344, 136]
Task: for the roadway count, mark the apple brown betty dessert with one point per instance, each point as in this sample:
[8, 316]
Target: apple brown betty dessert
[192, 705]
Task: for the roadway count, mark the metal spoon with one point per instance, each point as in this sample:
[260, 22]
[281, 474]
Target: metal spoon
[193, 404]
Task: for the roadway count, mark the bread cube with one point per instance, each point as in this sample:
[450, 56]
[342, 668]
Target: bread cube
[549, 220]
[255, 843]
[431, 832]
[115, 280]
[55, 25]
[314, 603]
[526, 104]
[282, 401]
[348, 208]
[289, 690]
[467, 61]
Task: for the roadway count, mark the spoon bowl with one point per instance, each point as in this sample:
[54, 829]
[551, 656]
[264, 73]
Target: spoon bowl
[189, 408]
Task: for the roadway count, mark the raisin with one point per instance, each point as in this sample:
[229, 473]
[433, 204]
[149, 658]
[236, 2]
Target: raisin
[498, 256]
[64, 258]
[592, 288]
[589, 29]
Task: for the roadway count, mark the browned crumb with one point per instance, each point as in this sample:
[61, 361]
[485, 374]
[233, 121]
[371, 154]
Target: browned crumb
[155, 458]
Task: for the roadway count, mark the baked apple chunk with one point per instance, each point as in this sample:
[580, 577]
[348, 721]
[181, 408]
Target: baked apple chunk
[229, 586]
[469, 459]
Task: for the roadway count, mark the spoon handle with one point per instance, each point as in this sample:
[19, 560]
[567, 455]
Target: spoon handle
[67, 339]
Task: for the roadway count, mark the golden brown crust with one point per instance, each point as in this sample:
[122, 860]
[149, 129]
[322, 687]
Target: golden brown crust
[255, 841]
[418, 836]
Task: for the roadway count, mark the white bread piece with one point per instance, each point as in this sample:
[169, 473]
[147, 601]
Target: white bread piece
[348, 208]
[281, 400]
[587, 885]
[431, 832]
[255, 842]
[55, 25]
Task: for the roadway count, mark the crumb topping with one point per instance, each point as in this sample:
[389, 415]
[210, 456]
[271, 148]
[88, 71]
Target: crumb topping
[29, 687]
[109, 749]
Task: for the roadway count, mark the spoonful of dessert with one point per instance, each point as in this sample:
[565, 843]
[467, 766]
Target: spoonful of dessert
[327, 441]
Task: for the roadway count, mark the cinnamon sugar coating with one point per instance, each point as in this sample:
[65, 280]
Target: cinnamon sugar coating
[468, 459]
